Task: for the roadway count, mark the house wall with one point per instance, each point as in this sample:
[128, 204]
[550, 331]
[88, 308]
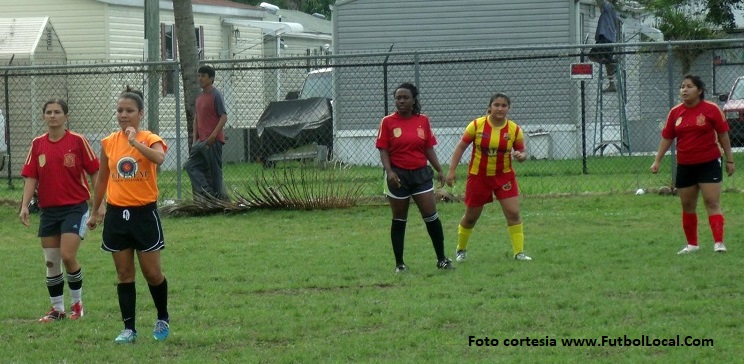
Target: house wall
[374, 25]
[79, 23]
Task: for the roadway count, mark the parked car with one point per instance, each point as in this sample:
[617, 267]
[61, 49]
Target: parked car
[733, 108]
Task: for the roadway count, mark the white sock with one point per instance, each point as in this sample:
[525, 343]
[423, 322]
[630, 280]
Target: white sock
[77, 295]
[58, 303]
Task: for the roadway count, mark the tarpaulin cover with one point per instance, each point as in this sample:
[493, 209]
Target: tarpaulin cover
[291, 123]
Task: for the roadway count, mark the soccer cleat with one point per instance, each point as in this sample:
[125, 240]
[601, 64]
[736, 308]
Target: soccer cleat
[53, 315]
[127, 336]
[77, 311]
[461, 255]
[522, 256]
[401, 268]
[445, 264]
[161, 331]
[688, 249]
[719, 248]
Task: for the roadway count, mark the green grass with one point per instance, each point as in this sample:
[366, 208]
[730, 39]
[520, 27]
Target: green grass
[612, 174]
[288, 286]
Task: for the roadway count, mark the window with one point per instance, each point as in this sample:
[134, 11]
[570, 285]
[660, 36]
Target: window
[169, 52]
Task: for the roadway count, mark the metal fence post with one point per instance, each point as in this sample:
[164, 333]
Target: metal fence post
[670, 80]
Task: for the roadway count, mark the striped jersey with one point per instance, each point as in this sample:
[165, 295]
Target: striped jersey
[132, 177]
[60, 167]
[492, 147]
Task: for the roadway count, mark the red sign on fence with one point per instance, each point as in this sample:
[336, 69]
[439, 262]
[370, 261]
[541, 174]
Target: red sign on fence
[582, 71]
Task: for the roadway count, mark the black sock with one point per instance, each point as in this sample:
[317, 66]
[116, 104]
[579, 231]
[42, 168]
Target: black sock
[397, 236]
[75, 279]
[56, 286]
[434, 227]
[160, 297]
[127, 302]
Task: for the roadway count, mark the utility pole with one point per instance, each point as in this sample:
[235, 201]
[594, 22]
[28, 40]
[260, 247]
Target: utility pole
[152, 43]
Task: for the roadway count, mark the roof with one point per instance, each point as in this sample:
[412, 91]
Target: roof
[21, 35]
[225, 3]
[310, 23]
[216, 7]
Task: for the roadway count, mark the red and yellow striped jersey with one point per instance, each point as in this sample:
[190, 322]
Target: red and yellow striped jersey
[492, 147]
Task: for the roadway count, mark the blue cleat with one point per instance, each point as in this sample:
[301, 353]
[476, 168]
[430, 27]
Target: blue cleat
[161, 331]
[126, 336]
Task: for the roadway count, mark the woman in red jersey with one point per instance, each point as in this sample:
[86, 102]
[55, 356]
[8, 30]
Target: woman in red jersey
[495, 141]
[129, 165]
[56, 166]
[701, 131]
[406, 143]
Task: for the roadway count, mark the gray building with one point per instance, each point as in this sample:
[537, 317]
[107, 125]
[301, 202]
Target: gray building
[497, 45]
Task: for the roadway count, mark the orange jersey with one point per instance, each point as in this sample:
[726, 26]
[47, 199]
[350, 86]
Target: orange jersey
[132, 177]
[492, 147]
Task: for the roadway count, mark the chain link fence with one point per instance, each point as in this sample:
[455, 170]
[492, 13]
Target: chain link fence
[323, 111]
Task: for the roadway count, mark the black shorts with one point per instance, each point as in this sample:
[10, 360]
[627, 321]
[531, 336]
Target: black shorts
[603, 55]
[137, 228]
[412, 182]
[692, 174]
[59, 220]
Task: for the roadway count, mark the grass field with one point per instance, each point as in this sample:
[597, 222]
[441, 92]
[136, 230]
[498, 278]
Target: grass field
[287, 286]
[616, 174]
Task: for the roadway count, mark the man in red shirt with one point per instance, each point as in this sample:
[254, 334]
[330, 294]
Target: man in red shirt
[204, 165]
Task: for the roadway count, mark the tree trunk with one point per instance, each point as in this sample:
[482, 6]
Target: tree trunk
[188, 56]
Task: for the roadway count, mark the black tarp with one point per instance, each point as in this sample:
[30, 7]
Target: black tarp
[288, 124]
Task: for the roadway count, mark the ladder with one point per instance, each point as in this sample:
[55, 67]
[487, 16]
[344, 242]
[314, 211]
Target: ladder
[611, 130]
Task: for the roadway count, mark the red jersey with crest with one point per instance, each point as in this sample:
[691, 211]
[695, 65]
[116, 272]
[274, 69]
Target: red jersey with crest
[696, 129]
[492, 147]
[60, 167]
[406, 139]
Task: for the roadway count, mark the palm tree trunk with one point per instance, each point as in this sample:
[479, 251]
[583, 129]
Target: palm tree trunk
[189, 59]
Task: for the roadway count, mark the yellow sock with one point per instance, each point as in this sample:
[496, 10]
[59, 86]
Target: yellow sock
[516, 234]
[463, 235]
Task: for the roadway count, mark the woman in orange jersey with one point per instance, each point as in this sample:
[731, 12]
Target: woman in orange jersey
[495, 141]
[701, 131]
[128, 178]
[56, 166]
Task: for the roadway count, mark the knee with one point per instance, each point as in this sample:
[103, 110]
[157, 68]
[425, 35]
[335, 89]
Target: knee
[69, 260]
[125, 274]
[468, 221]
[52, 257]
[153, 277]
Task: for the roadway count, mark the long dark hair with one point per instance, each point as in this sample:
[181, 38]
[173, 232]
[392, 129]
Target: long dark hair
[133, 94]
[698, 82]
[416, 109]
[62, 104]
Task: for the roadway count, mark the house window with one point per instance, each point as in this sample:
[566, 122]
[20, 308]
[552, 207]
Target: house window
[200, 42]
[169, 52]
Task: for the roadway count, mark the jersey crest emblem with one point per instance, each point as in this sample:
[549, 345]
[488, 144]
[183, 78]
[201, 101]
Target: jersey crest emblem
[397, 132]
[420, 133]
[42, 160]
[700, 120]
[679, 121]
[69, 160]
[507, 186]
